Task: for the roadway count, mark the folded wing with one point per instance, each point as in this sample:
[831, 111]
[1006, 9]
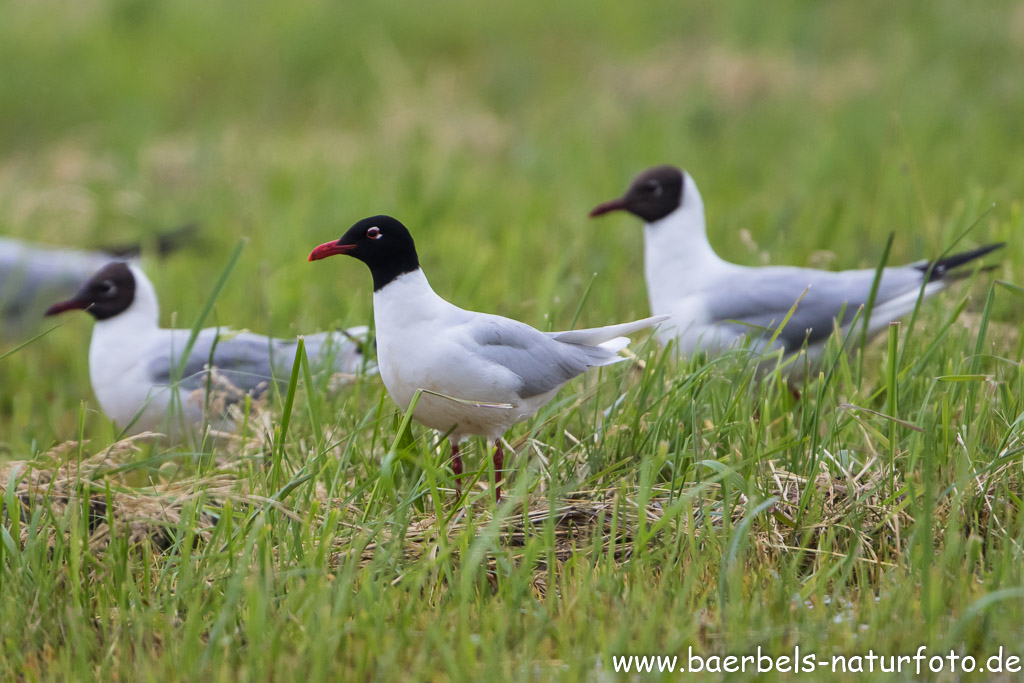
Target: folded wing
[755, 301]
[250, 362]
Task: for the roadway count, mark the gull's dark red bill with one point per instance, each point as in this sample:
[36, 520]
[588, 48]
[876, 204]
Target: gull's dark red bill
[69, 305]
[608, 207]
[329, 249]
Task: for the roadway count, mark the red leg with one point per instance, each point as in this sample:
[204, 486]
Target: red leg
[499, 464]
[457, 467]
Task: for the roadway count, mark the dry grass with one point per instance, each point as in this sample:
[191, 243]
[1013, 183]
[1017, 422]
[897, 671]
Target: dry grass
[607, 523]
[858, 508]
[99, 484]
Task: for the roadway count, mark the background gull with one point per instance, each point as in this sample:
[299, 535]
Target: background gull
[133, 361]
[716, 305]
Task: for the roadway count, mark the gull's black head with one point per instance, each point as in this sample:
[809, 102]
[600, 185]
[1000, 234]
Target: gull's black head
[107, 293]
[381, 242]
[653, 194]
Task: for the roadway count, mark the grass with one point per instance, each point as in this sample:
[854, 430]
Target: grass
[677, 503]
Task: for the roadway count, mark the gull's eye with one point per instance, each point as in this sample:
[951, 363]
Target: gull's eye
[106, 288]
[652, 187]
[373, 233]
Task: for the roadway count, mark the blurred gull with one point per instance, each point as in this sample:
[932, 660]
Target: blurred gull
[132, 360]
[715, 305]
[479, 373]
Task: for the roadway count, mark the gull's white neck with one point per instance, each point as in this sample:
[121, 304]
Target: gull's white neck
[406, 301]
[678, 259]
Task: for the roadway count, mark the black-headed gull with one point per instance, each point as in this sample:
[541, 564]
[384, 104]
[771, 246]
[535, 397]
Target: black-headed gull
[133, 362]
[715, 304]
[479, 373]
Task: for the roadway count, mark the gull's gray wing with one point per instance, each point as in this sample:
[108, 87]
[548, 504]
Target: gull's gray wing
[342, 350]
[762, 297]
[541, 363]
[250, 362]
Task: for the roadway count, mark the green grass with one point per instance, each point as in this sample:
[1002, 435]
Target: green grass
[682, 504]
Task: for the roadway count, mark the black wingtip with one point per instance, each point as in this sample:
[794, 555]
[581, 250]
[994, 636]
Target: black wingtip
[938, 269]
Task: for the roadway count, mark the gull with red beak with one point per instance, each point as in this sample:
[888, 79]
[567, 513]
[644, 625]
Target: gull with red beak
[134, 363]
[478, 374]
[715, 305]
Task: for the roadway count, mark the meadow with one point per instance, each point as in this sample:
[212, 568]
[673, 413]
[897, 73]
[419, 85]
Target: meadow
[657, 506]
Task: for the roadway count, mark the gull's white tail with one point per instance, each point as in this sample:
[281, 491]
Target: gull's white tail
[611, 337]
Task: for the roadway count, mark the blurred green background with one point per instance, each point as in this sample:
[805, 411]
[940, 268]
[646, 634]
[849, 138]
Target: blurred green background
[813, 129]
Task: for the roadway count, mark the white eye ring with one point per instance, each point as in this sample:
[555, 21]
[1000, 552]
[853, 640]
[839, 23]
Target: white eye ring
[374, 233]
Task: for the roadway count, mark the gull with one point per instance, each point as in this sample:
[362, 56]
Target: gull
[134, 363]
[477, 374]
[716, 305]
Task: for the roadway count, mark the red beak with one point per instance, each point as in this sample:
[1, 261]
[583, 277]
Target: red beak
[614, 205]
[329, 249]
[64, 306]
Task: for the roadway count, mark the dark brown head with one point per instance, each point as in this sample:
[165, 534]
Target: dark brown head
[653, 194]
[107, 293]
